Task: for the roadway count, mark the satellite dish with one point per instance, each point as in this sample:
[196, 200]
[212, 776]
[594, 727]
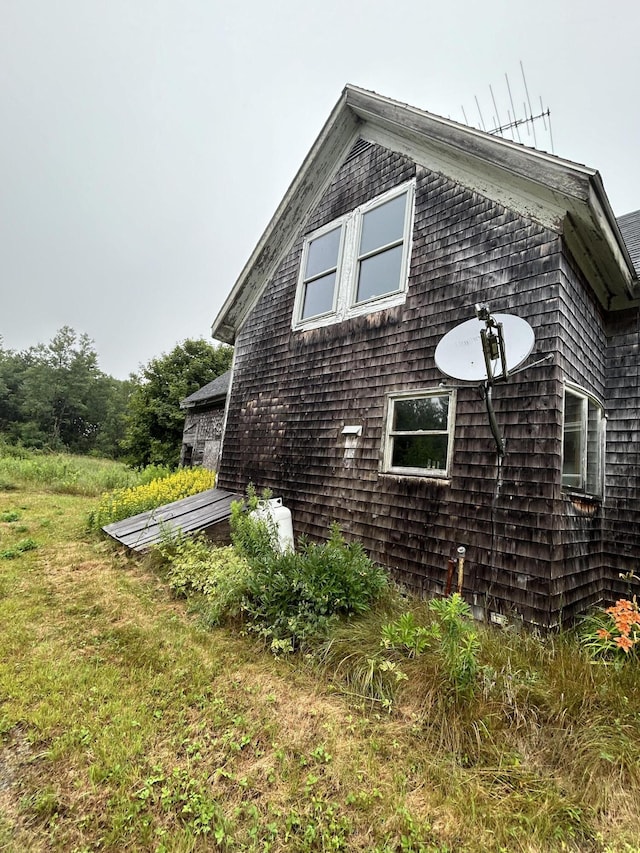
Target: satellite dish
[461, 354]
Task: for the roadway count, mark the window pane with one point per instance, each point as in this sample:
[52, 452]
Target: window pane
[420, 451]
[423, 413]
[593, 484]
[322, 254]
[383, 225]
[572, 461]
[318, 297]
[379, 274]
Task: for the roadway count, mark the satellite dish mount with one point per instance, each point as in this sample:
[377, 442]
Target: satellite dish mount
[476, 350]
[493, 349]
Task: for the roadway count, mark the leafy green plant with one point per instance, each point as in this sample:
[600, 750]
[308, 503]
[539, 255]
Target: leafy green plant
[404, 634]
[19, 548]
[218, 573]
[255, 538]
[297, 597]
[458, 639]
[184, 798]
[9, 516]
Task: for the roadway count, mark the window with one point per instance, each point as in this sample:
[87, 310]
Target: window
[380, 249]
[419, 435]
[583, 440]
[320, 272]
[358, 263]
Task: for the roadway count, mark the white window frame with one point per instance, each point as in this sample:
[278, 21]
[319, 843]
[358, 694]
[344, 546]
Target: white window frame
[578, 482]
[303, 280]
[390, 434]
[345, 294]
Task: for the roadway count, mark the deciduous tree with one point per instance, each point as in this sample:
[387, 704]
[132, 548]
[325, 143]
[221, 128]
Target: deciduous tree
[155, 420]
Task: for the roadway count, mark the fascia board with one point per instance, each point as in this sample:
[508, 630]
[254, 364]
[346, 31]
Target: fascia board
[314, 176]
[564, 176]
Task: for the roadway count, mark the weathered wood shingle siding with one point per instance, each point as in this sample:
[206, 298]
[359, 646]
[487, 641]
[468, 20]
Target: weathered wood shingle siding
[578, 581]
[293, 392]
[622, 506]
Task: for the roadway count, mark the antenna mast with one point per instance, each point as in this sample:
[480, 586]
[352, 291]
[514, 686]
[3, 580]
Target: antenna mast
[527, 119]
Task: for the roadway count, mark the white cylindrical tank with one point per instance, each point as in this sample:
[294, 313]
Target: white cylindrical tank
[273, 512]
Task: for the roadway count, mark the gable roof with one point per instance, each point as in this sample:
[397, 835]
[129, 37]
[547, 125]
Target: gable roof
[557, 193]
[212, 392]
[629, 225]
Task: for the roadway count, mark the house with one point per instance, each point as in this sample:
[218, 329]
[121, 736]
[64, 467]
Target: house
[396, 225]
[204, 417]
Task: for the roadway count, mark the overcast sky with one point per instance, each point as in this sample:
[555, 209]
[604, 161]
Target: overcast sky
[145, 144]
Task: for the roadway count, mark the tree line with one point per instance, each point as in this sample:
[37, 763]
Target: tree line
[54, 397]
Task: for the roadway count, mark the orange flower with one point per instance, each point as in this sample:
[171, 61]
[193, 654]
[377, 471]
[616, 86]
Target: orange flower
[603, 634]
[624, 643]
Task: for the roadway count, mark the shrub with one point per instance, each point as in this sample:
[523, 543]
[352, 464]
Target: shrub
[123, 503]
[294, 598]
[219, 574]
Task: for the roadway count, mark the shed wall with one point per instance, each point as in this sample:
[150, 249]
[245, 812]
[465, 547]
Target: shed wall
[202, 437]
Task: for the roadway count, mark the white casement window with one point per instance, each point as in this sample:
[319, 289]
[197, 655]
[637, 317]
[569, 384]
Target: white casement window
[419, 434]
[583, 443]
[358, 263]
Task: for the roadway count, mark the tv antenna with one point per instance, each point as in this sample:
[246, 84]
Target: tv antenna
[517, 117]
[476, 350]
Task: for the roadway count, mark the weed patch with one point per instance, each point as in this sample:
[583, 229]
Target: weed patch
[9, 516]
[19, 548]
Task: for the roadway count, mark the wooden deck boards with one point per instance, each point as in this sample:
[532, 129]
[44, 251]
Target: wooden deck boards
[192, 514]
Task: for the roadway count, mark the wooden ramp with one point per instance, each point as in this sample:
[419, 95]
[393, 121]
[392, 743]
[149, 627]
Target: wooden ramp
[203, 512]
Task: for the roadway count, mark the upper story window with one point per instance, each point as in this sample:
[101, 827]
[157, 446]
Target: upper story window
[583, 443]
[358, 263]
[321, 273]
[419, 434]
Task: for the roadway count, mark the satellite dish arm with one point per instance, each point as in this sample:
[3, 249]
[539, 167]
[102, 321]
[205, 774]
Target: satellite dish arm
[503, 353]
[493, 423]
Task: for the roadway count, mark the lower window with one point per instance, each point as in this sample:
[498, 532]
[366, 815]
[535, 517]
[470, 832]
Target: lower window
[583, 441]
[419, 435]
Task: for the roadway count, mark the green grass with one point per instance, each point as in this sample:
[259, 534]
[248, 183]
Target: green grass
[64, 473]
[125, 725]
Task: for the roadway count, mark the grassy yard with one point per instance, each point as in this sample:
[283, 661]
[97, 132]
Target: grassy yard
[125, 724]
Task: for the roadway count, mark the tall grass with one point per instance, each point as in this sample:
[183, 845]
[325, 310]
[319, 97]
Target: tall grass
[63, 473]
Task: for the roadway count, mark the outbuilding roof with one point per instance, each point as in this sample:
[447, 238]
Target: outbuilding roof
[212, 392]
[559, 194]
